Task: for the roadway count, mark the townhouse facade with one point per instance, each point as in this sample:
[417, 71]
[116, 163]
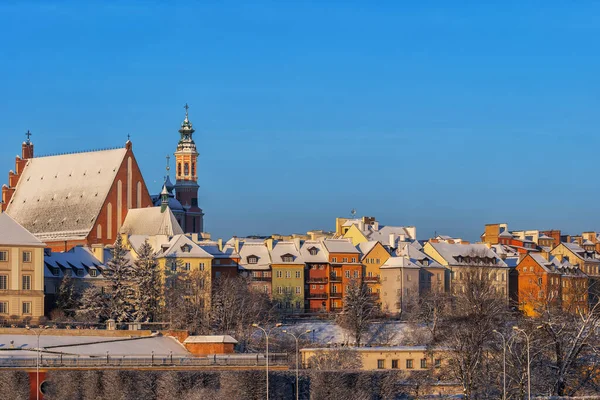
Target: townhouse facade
[287, 268]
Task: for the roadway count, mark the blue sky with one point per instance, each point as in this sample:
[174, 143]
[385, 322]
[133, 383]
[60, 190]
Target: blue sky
[444, 115]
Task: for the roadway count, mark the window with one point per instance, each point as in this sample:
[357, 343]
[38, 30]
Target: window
[356, 274]
[345, 259]
[298, 274]
[333, 259]
[288, 274]
[186, 169]
[279, 290]
[437, 363]
[201, 266]
[26, 307]
[394, 364]
[313, 286]
[320, 286]
[353, 259]
[297, 289]
[173, 266]
[279, 274]
[409, 364]
[187, 266]
[266, 288]
[287, 258]
[408, 277]
[252, 260]
[423, 363]
[3, 307]
[26, 282]
[334, 289]
[313, 251]
[93, 272]
[380, 364]
[378, 261]
[3, 282]
[425, 262]
[347, 274]
[26, 256]
[3, 255]
[540, 281]
[80, 272]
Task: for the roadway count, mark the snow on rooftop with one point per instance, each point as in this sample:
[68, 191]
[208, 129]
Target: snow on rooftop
[14, 234]
[151, 221]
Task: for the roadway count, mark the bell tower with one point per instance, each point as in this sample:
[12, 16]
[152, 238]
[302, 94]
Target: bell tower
[186, 174]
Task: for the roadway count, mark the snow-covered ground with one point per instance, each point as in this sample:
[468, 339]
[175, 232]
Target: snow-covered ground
[389, 333]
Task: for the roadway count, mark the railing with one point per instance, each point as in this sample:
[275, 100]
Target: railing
[261, 278]
[316, 295]
[335, 278]
[149, 361]
[317, 280]
[371, 279]
[335, 295]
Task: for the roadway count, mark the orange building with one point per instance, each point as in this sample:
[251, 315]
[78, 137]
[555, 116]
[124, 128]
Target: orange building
[317, 274]
[544, 283]
[344, 260]
[74, 199]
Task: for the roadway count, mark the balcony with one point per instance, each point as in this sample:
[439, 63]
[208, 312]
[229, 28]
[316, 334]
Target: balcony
[261, 278]
[317, 280]
[316, 296]
[335, 295]
[371, 279]
[335, 278]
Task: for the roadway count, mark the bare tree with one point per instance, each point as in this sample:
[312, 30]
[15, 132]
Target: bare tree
[336, 359]
[358, 311]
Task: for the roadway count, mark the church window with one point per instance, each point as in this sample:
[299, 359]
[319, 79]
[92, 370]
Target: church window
[186, 169]
[99, 232]
[109, 221]
[139, 195]
[193, 169]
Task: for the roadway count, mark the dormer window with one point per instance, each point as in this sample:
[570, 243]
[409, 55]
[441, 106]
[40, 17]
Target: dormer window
[287, 258]
[425, 262]
[252, 260]
[80, 272]
[313, 251]
[186, 248]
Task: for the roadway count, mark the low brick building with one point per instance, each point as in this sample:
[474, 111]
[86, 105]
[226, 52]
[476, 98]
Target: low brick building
[210, 344]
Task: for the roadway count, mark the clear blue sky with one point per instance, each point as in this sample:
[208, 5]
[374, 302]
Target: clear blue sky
[442, 116]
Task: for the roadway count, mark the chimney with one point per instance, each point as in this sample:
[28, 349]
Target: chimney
[269, 243]
[220, 244]
[392, 240]
[236, 244]
[98, 251]
[195, 238]
[361, 225]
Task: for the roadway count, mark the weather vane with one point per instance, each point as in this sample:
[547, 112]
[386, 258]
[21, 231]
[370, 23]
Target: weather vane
[186, 110]
[353, 212]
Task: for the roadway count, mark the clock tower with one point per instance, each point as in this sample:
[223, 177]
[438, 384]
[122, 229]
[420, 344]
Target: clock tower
[186, 173]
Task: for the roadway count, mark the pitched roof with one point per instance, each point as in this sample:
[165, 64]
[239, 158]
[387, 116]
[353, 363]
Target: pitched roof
[366, 247]
[182, 246]
[259, 250]
[78, 259]
[320, 257]
[151, 221]
[61, 196]
[399, 262]
[453, 252]
[282, 248]
[13, 234]
[339, 246]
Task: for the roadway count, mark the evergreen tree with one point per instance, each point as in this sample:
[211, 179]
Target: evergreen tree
[359, 310]
[118, 274]
[147, 280]
[94, 305]
[67, 298]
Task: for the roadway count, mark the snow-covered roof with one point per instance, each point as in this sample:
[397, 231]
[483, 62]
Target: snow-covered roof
[61, 196]
[339, 246]
[456, 254]
[366, 247]
[543, 236]
[181, 246]
[79, 259]
[212, 248]
[285, 248]
[14, 234]
[151, 221]
[399, 262]
[259, 250]
[210, 339]
[321, 253]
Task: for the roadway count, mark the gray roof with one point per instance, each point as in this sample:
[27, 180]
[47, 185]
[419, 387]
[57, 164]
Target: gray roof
[259, 250]
[282, 248]
[320, 257]
[61, 196]
[366, 247]
[177, 246]
[13, 234]
[340, 246]
[77, 259]
[453, 252]
[151, 221]
[399, 262]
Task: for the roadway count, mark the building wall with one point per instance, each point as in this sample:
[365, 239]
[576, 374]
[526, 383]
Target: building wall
[372, 263]
[293, 283]
[14, 269]
[370, 358]
[354, 234]
[432, 278]
[205, 349]
[317, 287]
[500, 281]
[399, 288]
[535, 286]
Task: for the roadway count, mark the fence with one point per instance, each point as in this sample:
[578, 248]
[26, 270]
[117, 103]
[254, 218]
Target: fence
[241, 360]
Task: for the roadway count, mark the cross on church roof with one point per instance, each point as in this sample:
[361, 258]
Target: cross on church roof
[186, 109]
[28, 134]
[128, 137]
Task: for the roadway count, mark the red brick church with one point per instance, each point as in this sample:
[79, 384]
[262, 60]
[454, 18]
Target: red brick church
[83, 198]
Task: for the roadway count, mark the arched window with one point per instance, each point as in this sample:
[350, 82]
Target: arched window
[193, 169]
[179, 169]
[99, 232]
[186, 169]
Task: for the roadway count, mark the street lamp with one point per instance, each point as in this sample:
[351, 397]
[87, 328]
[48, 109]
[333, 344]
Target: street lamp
[267, 340]
[37, 358]
[297, 337]
[527, 337]
[503, 363]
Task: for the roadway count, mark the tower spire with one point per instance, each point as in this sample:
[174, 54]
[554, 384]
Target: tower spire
[186, 111]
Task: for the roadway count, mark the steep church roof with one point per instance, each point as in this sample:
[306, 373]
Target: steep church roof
[60, 197]
[151, 221]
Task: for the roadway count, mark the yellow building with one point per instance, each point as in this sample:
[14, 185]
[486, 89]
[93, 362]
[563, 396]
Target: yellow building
[374, 255]
[288, 275]
[377, 358]
[21, 272]
[354, 233]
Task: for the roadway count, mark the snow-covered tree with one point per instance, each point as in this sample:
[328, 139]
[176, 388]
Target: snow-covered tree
[67, 296]
[147, 281]
[94, 305]
[359, 310]
[118, 274]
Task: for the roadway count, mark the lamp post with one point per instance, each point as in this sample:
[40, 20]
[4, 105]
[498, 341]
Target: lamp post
[297, 337]
[503, 364]
[527, 337]
[267, 343]
[37, 358]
